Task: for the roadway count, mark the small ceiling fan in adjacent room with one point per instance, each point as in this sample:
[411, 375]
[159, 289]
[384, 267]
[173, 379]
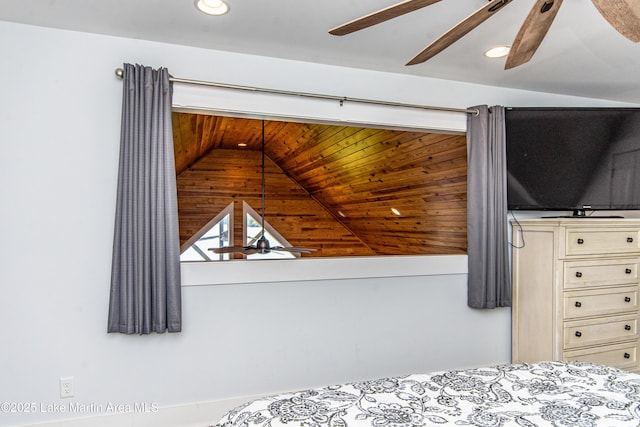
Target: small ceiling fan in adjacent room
[262, 245]
[623, 15]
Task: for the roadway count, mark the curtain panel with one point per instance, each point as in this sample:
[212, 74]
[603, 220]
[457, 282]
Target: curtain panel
[489, 277]
[145, 277]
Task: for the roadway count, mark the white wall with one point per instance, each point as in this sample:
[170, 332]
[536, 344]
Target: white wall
[59, 129]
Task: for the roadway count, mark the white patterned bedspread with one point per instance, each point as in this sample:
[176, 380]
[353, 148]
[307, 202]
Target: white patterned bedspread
[536, 394]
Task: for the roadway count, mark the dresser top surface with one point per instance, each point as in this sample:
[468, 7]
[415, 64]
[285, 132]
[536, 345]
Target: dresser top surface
[579, 221]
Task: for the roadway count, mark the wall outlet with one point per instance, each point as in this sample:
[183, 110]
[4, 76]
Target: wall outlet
[66, 387]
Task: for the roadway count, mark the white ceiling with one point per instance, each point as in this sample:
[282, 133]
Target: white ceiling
[581, 55]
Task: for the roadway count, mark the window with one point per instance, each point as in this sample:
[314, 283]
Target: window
[340, 189]
[253, 231]
[213, 235]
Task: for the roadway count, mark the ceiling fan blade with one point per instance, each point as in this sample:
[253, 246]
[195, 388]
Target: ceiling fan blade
[623, 15]
[459, 31]
[532, 32]
[295, 249]
[247, 250]
[380, 16]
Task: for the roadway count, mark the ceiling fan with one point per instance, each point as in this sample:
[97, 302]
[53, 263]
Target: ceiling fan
[262, 245]
[623, 15]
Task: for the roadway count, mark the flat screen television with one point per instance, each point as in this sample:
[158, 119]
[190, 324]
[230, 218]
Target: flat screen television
[573, 159]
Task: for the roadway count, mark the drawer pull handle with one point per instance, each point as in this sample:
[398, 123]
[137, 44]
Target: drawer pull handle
[578, 334]
[627, 299]
[629, 239]
[578, 274]
[627, 270]
[581, 241]
[627, 356]
[627, 327]
[578, 304]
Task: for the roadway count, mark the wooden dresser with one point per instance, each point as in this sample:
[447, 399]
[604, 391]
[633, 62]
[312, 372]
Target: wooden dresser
[575, 290]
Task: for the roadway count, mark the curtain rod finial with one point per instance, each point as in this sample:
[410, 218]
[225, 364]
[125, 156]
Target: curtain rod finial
[119, 72]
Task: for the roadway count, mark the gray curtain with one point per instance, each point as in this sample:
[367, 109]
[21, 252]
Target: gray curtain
[145, 276]
[489, 280]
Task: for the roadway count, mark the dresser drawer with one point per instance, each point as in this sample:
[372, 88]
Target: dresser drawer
[602, 241]
[606, 272]
[600, 302]
[604, 330]
[623, 356]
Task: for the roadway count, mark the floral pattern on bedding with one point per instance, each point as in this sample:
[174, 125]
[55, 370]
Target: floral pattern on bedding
[559, 394]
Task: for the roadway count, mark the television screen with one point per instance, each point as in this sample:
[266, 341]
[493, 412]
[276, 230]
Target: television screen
[573, 158]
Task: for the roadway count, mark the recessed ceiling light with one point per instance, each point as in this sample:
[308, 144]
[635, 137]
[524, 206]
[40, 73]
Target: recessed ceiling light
[212, 7]
[342, 214]
[497, 52]
[242, 144]
[395, 211]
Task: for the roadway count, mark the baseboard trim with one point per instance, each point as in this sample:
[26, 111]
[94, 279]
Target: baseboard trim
[200, 414]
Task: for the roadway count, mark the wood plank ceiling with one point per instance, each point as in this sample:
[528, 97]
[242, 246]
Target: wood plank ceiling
[328, 187]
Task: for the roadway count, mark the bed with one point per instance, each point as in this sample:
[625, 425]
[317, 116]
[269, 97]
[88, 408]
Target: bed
[525, 394]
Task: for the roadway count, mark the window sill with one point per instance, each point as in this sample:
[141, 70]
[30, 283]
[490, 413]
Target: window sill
[306, 269]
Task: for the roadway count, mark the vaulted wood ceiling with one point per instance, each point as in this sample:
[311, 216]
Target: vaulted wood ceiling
[329, 187]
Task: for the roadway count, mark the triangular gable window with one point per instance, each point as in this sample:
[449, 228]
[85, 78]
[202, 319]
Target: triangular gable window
[253, 231]
[216, 234]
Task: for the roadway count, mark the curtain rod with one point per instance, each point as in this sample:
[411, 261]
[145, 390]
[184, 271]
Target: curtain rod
[475, 112]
